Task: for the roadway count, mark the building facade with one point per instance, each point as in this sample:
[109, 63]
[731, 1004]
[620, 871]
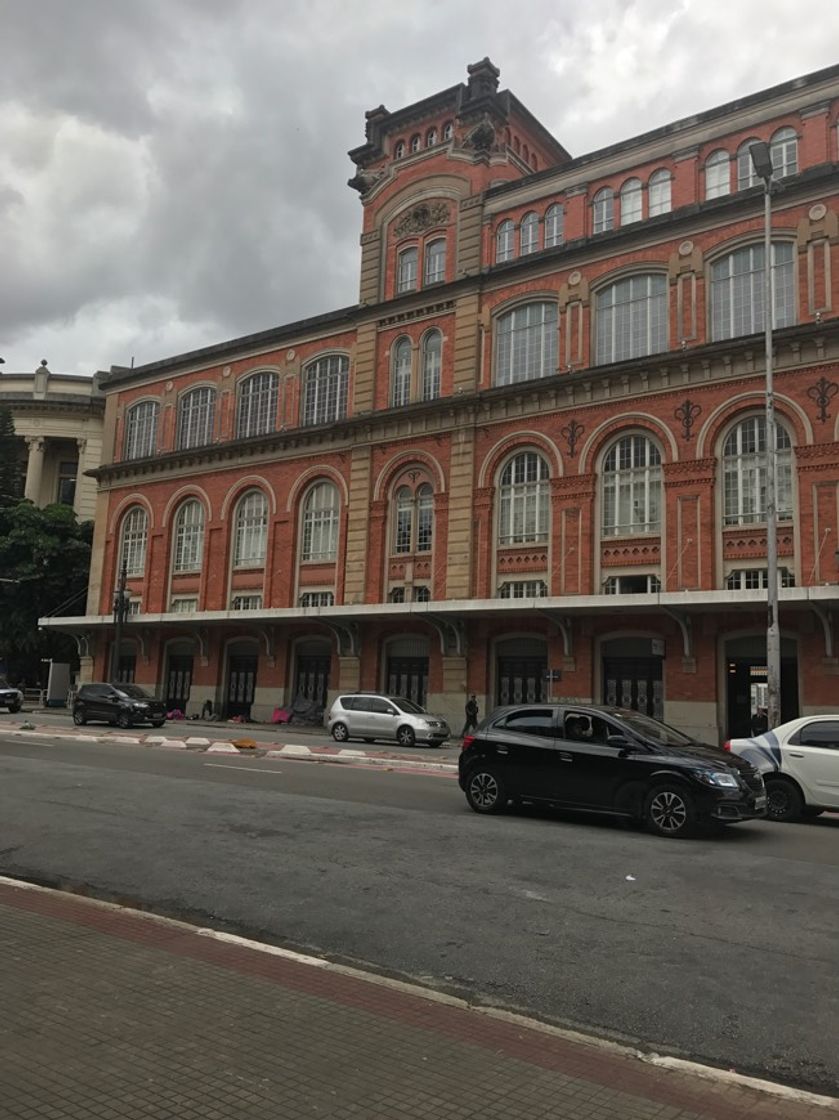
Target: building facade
[530, 461]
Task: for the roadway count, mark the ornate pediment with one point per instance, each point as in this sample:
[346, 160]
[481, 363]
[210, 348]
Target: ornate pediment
[423, 217]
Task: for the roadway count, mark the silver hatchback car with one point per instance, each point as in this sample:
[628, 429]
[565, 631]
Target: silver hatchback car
[372, 715]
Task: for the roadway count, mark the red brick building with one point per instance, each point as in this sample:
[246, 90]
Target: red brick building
[530, 460]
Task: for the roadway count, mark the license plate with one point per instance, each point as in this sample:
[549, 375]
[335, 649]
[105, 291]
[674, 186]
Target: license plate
[760, 802]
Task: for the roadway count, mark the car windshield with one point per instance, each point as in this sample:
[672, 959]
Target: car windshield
[407, 705]
[4, 683]
[132, 690]
[648, 728]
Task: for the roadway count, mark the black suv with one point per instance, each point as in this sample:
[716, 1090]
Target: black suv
[609, 760]
[122, 704]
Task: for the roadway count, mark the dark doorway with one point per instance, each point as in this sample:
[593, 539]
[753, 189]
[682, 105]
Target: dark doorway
[126, 668]
[632, 676]
[241, 684]
[178, 681]
[408, 677]
[312, 677]
[521, 680]
[746, 691]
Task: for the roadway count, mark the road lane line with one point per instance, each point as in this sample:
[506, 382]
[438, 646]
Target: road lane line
[244, 769]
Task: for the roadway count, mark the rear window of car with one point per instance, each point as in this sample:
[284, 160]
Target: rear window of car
[349, 703]
[530, 721]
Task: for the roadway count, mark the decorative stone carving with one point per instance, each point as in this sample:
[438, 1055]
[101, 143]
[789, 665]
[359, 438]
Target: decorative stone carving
[482, 136]
[817, 211]
[687, 412]
[571, 434]
[422, 217]
[823, 393]
[364, 181]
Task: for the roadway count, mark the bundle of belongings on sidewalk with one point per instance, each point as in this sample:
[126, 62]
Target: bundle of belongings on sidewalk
[303, 711]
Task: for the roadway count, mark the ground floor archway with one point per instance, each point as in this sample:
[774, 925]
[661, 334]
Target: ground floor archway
[312, 663]
[240, 683]
[177, 676]
[745, 677]
[521, 666]
[406, 668]
[632, 674]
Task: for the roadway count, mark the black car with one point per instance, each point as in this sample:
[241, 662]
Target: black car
[122, 704]
[609, 760]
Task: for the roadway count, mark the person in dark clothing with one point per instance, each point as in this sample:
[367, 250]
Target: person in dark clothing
[759, 722]
[471, 715]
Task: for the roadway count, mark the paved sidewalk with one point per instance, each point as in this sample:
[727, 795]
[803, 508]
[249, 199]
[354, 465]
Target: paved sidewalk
[116, 1015]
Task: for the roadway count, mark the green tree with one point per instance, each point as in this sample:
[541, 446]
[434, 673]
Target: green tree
[9, 469]
[44, 564]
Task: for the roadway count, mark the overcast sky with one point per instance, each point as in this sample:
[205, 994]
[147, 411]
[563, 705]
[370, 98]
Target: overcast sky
[173, 172]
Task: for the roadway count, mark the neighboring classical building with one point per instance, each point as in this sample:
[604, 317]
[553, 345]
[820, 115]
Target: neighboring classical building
[529, 462]
[58, 422]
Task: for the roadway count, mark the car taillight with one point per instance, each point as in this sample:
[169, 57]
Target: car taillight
[727, 745]
[468, 740]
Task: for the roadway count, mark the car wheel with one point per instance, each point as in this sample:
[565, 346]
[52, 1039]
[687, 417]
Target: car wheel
[783, 800]
[158, 722]
[669, 811]
[340, 733]
[79, 718]
[405, 737]
[485, 791]
[14, 708]
[123, 720]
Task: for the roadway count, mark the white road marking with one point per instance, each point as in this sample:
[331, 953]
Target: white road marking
[243, 769]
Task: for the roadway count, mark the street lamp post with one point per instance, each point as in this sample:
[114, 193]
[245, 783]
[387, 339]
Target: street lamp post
[762, 161]
[120, 615]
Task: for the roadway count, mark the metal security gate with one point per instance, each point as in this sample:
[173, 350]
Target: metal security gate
[241, 684]
[408, 677]
[312, 677]
[521, 680]
[634, 682]
[178, 681]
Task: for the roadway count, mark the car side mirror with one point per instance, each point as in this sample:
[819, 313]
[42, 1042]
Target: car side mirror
[391, 712]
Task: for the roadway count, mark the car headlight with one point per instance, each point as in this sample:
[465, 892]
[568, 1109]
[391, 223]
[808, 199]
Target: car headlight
[140, 707]
[723, 779]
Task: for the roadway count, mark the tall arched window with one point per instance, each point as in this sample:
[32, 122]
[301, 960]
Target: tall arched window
[435, 261]
[737, 288]
[554, 226]
[631, 201]
[432, 350]
[632, 487]
[631, 318]
[406, 270]
[603, 210]
[320, 523]
[189, 537]
[431, 138]
[400, 374]
[399, 149]
[251, 530]
[141, 430]
[659, 193]
[135, 533]
[526, 343]
[744, 473]
[746, 174]
[413, 525]
[196, 413]
[717, 174]
[448, 130]
[257, 409]
[529, 233]
[325, 389]
[416, 142]
[783, 148]
[505, 241]
[524, 500]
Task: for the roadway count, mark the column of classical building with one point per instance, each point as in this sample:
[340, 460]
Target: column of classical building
[34, 468]
[81, 467]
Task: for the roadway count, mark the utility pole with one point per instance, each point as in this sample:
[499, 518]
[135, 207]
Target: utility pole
[120, 616]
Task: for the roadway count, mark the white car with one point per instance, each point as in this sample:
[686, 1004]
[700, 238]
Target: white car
[799, 762]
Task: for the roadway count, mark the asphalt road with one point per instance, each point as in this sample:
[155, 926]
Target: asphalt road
[724, 949]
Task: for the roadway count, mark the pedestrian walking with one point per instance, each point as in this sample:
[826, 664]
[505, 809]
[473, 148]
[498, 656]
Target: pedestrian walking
[471, 715]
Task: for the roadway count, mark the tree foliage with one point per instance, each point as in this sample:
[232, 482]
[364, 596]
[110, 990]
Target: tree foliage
[9, 469]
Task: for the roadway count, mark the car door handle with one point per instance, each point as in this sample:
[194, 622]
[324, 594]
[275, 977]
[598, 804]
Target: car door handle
[796, 754]
[501, 750]
[564, 756]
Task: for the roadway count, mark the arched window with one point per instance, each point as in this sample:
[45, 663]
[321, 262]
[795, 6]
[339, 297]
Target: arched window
[435, 261]
[416, 142]
[631, 318]
[135, 533]
[432, 349]
[257, 411]
[660, 193]
[320, 523]
[744, 473]
[399, 150]
[746, 174]
[554, 226]
[431, 138]
[140, 430]
[400, 374]
[189, 537]
[505, 241]
[603, 210]
[526, 343]
[196, 412]
[325, 389]
[524, 500]
[448, 130]
[529, 233]
[413, 525]
[632, 487]
[717, 174]
[631, 199]
[737, 288]
[783, 148]
[251, 530]
[406, 270]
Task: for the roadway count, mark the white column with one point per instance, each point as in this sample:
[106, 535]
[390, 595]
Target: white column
[34, 469]
[81, 444]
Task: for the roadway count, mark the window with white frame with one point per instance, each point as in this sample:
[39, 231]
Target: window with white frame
[251, 601]
[400, 374]
[746, 174]
[431, 138]
[660, 195]
[413, 522]
[631, 484]
[631, 202]
[526, 343]
[631, 318]
[756, 579]
[523, 589]
[554, 226]
[422, 594]
[251, 530]
[431, 354]
[783, 150]
[184, 604]
[189, 537]
[744, 473]
[505, 245]
[406, 270]
[737, 291]
[134, 537]
[135, 607]
[435, 261]
[529, 234]
[448, 130]
[397, 595]
[631, 585]
[256, 412]
[321, 512]
[718, 174]
[141, 430]
[524, 500]
[416, 142]
[399, 150]
[196, 413]
[603, 210]
[325, 390]
[317, 599]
